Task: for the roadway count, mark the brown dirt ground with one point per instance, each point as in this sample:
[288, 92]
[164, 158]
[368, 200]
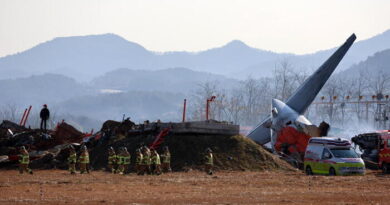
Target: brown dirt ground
[194, 187]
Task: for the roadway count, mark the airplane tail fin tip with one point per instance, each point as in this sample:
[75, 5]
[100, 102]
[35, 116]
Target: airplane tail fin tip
[352, 37]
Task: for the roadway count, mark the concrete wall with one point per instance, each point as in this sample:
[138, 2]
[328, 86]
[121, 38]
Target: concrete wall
[203, 127]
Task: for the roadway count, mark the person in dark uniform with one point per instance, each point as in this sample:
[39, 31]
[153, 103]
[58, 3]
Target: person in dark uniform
[45, 114]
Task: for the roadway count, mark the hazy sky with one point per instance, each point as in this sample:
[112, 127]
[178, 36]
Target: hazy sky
[299, 26]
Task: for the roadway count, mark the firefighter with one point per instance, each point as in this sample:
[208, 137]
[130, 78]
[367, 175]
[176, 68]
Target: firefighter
[123, 160]
[120, 161]
[145, 163]
[126, 160]
[138, 161]
[155, 163]
[148, 160]
[209, 161]
[84, 160]
[24, 160]
[72, 160]
[166, 160]
[112, 159]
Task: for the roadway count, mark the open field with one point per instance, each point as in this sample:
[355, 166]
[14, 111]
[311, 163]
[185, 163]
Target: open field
[59, 187]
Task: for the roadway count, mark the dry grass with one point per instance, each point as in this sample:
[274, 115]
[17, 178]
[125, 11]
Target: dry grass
[58, 187]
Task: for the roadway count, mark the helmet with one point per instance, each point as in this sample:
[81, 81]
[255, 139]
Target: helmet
[110, 149]
[22, 148]
[71, 147]
[208, 150]
[84, 147]
[124, 149]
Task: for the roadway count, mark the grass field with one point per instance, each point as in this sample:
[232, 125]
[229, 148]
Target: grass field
[194, 187]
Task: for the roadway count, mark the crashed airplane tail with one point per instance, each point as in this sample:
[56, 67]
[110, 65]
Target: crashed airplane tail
[305, 94]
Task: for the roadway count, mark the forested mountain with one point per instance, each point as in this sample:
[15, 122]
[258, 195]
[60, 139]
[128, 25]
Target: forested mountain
[87, 57]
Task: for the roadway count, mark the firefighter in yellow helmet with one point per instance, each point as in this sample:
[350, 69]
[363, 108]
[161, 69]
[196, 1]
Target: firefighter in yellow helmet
[112, 159]
[138, 161]
[166, 160]
[72, 159]
[24, 161]
[84, 160]
[209, 161]
[155, 162]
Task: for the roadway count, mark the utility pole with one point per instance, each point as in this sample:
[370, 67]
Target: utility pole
[184, 110]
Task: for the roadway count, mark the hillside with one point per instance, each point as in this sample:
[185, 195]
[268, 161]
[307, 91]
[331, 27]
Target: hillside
[139, 105]
[375, 64]
[40, 89]
[87, 57]
[80, 57]
[167, 80]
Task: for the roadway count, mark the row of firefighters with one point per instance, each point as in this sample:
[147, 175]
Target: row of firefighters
[147, 161]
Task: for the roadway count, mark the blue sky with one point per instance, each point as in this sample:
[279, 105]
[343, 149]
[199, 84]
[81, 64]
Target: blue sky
[298, 26]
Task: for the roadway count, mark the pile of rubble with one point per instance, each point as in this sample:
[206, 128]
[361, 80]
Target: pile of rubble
[50, 150]
[42, 146]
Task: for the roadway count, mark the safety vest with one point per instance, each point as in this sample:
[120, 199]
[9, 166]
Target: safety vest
[166, 158]
[156, 159]
[112, 159]
[24, 159]
[84, 158]
[119, 159]
[138, 160]
[126, 159]
[146, 160]
[72, 158]
[209, 159]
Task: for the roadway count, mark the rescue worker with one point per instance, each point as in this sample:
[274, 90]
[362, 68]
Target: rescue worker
[84, 160]
[148, 160]
[209, 161]
[123, 160]
[72, 159]
[112, 159]
[126, 160]
[120, 161]
[138, 161]
[44, 115]
[24, 161]
[145, 163]
[166, 160]
[155, 162]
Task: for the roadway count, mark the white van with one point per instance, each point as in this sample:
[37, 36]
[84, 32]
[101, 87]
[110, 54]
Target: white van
[332, 156]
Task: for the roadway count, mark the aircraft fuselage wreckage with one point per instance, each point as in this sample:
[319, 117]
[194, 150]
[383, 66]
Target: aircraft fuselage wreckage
[286, 124]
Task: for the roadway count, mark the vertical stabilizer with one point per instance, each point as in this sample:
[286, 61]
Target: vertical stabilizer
[308, 91]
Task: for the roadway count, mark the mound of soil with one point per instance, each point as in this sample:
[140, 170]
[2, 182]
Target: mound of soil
[230, 152]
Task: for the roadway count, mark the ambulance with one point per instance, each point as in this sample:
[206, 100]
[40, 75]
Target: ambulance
[332, 156]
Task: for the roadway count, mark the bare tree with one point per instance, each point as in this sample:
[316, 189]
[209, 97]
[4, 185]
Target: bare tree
[9, 112]
[198, 100]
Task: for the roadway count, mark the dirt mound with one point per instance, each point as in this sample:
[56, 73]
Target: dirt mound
[231, 152]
